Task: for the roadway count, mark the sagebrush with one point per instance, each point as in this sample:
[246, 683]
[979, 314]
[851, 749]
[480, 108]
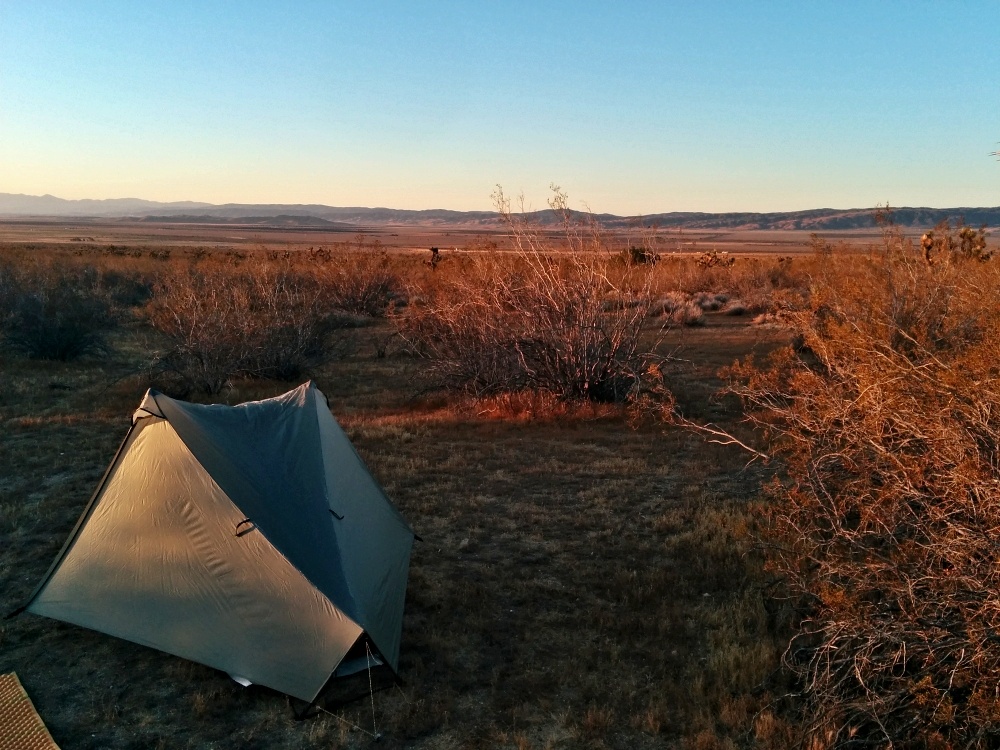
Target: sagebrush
[886, 417]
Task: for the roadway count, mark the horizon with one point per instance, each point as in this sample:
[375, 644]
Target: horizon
[205, 205]
[633, 110]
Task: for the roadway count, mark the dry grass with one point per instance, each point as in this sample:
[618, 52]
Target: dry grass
[581, 584]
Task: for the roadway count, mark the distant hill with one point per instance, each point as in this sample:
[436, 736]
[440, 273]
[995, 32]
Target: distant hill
[819, 219]
[16, 204]
[279, 220]
[331, 217]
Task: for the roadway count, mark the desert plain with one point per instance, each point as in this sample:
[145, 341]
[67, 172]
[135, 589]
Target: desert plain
[588, 576]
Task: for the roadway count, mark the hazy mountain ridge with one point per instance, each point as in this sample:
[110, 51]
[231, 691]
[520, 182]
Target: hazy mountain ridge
[18, 205]
[50, 205]
[278, 220]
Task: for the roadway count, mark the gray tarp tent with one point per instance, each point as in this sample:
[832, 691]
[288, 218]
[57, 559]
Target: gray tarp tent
[249, 538]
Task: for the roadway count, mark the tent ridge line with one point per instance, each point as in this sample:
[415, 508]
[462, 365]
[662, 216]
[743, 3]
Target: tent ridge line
[311, 389]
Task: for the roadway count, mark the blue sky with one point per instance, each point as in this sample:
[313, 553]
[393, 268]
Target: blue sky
[632, 107]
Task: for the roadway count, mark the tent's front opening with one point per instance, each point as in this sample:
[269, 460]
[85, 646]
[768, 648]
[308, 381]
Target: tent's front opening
[360, 672]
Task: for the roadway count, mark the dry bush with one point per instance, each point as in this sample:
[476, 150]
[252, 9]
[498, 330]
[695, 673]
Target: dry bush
[688, 314]
[55, 312]
[360, 281]
[714, 258]
[259, 320]
[768, 286]
[710, 302]
[679, 308]
[757, 285]
[8, 288]
[127, 288]
[635, 255]
[562, 320]
[687, 275]
[668, 303]
[884, 525]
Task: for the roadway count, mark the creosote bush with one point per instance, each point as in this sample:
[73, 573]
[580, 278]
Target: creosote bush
[886, 418]
[560, 320]
[258, 320]
[57, 313]
[360, 281]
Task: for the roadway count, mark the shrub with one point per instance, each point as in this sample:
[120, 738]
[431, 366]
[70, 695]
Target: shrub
[634, 256]
[714, 258]
[688, 314]
[360, 282]
[760, 284]
[680, 309]
[766, 286]
[258, 321]
[887, 421]
[710, 302]
[8, 290]
[562, 322]
[55, 313]
[127, 289]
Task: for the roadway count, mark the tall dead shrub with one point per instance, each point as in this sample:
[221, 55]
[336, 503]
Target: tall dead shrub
[886, 510]
[258, 320]
[563, 320]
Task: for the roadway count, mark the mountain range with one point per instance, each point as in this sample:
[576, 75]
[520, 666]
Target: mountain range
[14, 205]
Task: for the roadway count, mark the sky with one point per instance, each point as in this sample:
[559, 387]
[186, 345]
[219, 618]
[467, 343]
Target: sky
[631, 107]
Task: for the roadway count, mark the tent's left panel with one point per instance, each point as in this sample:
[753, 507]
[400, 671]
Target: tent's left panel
[161, 561]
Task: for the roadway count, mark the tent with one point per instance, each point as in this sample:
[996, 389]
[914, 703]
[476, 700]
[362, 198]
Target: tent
[249, 538]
